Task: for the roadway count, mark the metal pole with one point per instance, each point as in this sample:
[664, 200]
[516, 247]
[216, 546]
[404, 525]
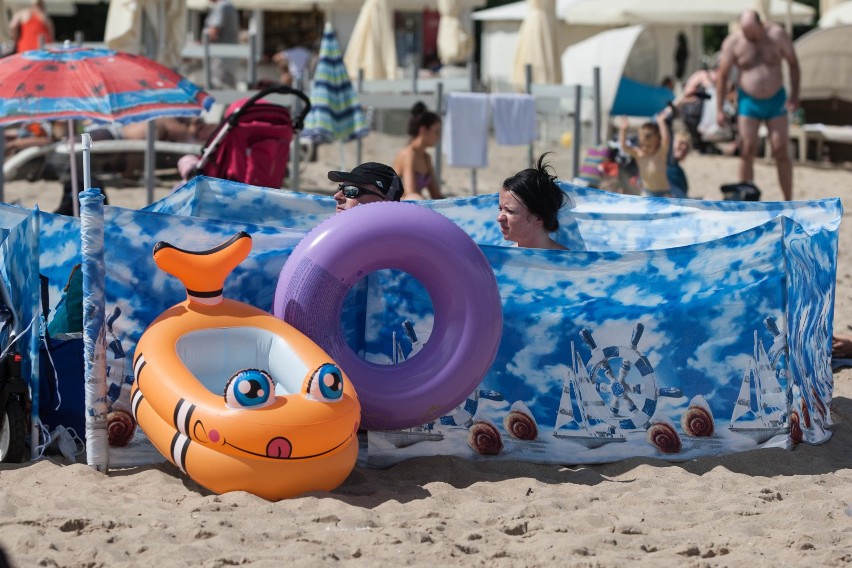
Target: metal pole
[414, 76]
[161, 25]
[256, 24]
[2, 173]
[439, 154]
[75, 204]
[596, 85]
[296, 156]
[205, 39]
[472, 74]
[528, 85]
[150, 158]
[575, 146]
[87, 163]
[151, 51]
[473, 181]
[252, 63]
[359, 87]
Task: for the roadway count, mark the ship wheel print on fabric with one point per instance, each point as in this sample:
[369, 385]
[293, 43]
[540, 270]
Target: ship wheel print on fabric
[632, 394]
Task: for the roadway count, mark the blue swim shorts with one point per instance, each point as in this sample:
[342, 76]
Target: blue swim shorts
[761, 109]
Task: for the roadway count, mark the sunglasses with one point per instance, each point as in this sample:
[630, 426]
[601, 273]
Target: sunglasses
[353, 191]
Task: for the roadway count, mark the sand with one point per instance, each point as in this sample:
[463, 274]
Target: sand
[757, 508]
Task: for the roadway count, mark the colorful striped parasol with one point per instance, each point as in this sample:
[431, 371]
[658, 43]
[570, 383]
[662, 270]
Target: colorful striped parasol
[77, 83]
[73, 83]
[335, 111]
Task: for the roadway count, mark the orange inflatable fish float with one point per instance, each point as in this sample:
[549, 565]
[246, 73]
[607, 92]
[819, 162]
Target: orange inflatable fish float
[233, 396]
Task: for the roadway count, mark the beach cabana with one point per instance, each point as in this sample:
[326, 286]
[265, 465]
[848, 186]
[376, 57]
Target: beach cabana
[825, 60]
[500, 28]
[581, 19]
[628, 12]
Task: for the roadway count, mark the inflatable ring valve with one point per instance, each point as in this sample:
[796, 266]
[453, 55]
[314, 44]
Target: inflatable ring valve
[236, 398]
[468, 311]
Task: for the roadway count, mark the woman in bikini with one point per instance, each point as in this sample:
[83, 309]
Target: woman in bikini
[413, 163]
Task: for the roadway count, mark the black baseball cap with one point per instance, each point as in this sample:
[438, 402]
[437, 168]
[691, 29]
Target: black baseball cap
[383, 177]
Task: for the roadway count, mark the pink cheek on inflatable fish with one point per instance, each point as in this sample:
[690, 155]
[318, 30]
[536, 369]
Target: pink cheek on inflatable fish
[214, 436]
[279, 448]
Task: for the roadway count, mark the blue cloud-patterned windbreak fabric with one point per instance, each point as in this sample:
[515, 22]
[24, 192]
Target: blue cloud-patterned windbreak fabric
[19, 242]
[672, 328]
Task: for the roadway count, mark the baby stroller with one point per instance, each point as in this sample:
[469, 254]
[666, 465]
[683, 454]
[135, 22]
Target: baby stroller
[252, 143]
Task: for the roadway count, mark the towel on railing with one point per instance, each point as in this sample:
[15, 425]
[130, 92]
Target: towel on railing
[514, 118]
[465, 138]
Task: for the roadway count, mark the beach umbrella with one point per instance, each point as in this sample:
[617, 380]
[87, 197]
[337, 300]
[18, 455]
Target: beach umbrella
[537, 45]
[372, 46]
[75, 83]
[335, 111]
[162, 38]
[453, 40]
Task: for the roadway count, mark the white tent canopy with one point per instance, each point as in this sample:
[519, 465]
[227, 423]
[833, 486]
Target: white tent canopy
[516, 11]
[269, 5]
[629, 52]
[837, 16]
[720, 12]
[825, 59]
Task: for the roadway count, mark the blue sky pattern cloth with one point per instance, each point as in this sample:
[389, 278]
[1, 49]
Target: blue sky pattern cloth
[673, 328]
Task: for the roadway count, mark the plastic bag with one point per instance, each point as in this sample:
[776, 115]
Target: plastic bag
[708, 127]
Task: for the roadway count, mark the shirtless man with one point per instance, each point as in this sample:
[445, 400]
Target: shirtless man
[757, 49]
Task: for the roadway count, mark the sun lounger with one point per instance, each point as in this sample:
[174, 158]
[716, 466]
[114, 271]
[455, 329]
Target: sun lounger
[13, 165]
[818, 133]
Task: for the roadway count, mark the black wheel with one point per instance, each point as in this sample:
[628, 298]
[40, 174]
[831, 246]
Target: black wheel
[12, 433]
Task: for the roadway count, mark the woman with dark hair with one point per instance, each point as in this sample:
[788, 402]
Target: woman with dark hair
[529, 205]
[413, 163]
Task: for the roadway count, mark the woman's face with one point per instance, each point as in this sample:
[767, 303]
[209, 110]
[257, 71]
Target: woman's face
[516, 223]
[431, 134]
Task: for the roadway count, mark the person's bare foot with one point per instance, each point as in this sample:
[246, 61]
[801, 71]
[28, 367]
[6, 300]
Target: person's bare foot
[841, 347]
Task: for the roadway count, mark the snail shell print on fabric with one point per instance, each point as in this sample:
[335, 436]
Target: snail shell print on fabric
[664, 437]
[484, 438]
[519, 422]
[120, 427]
[698, 419]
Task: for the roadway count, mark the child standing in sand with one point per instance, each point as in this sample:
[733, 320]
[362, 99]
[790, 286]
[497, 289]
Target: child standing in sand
[651, 154]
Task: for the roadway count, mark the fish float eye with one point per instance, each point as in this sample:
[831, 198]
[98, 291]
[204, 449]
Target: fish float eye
[249, 388]
[326, 383]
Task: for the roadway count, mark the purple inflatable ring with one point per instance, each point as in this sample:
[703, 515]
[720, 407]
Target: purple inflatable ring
[468, 312]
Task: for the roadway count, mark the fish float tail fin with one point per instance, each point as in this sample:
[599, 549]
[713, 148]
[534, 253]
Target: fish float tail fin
[203, 272]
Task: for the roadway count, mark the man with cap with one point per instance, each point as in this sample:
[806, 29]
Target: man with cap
[367, 183]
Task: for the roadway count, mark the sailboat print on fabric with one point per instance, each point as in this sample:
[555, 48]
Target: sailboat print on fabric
[582, 413]
[761, 410]
[460, 417]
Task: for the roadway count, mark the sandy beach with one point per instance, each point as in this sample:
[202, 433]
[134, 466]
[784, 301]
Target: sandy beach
[756, 508]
